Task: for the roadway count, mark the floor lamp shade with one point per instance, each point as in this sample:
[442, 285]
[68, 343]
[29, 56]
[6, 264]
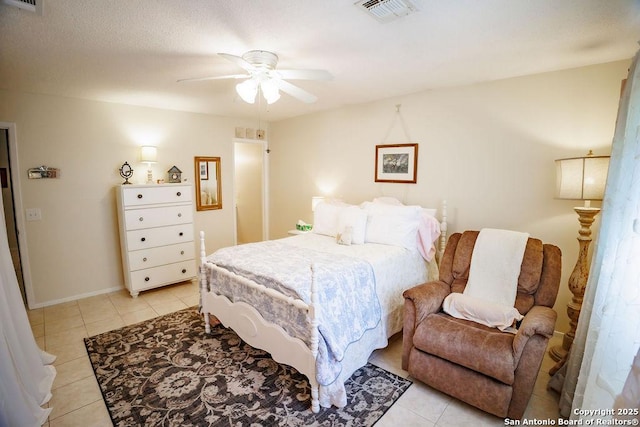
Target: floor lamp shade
[581, 178]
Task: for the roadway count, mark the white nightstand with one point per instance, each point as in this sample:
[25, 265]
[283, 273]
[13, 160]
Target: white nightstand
[294, 232]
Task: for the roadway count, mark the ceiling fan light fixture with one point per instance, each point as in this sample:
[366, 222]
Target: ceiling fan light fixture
[270, 91]
[248, 90]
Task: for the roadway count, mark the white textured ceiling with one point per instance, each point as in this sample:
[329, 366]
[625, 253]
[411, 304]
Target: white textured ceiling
[133, 52]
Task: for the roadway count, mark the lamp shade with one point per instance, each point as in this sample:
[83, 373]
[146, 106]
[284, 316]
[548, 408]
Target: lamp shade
[148, 154]
[270, 91]
[248, 90]
[581, 178]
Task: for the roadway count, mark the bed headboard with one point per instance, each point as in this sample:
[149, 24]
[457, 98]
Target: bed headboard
[442, 241]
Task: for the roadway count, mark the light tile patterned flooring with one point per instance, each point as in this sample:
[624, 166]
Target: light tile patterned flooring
[77, 400]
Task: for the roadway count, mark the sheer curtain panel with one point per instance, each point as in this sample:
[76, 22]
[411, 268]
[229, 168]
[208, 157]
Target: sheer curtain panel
[26, 373]
[608, 333]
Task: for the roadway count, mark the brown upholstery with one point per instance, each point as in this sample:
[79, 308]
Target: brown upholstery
[492, 370]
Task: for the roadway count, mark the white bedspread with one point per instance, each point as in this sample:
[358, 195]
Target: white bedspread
[394, 269]
[345, 287]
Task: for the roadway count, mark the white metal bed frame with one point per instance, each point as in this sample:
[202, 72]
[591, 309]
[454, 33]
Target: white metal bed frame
[249, 324]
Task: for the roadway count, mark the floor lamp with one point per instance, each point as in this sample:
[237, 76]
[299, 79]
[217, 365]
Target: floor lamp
[579, 178]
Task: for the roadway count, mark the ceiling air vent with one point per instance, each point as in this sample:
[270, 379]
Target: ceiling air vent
[387, 10]
[35, 6]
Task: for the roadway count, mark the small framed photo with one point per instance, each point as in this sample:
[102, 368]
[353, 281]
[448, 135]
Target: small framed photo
[204, 171]
[397, 163]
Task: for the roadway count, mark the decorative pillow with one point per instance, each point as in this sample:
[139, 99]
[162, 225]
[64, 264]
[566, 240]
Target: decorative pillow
[325, 218]
[345, 237]
[392, 225]
[356, 219]
[481, 311]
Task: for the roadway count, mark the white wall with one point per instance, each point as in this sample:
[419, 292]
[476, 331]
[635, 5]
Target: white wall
[74, 249]
[488, 149]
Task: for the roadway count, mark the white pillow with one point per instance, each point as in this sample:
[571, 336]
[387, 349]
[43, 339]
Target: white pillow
[325, 218]
[430, 211]
[388, 201]
[356, 218]
[480, 311]
[392, 225]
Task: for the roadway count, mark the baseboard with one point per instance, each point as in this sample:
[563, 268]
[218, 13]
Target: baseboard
[75, 297]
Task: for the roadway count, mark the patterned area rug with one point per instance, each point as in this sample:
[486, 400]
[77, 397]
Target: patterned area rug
[168, 372]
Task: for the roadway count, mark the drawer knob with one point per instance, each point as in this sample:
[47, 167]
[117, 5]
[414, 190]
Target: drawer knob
[139, 196]
[184, 270]
[146, 279]
[141, 219]
[179, 215]
[181, 252]
[144, 259]
[178, 194]
[143, 239]
[181, 233]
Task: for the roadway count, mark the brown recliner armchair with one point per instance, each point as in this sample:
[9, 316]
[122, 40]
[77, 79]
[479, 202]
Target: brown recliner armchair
[484, 367]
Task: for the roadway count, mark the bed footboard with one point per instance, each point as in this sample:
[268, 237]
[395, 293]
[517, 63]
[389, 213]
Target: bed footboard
[249, 324]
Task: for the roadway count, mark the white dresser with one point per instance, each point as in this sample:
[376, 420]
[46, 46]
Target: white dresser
[156, 235]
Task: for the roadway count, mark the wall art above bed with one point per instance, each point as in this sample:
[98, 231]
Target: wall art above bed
[397, 163]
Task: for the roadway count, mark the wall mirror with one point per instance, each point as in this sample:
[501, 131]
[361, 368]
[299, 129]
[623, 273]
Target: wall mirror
[208, 183]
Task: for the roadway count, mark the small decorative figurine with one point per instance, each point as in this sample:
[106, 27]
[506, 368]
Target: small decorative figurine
[126, 172]
[175, 174]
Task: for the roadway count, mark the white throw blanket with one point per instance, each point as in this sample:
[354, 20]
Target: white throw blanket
[495, 266]
[491, 289]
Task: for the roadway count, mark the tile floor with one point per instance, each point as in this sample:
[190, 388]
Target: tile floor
[77, 400]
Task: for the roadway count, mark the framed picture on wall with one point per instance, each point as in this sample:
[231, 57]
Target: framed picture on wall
[204, 171]
[397, 163]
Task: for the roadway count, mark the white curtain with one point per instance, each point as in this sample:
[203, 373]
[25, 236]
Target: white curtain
[608, 334]
[26, 373]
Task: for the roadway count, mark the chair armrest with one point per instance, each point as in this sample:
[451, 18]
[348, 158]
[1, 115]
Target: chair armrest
[427, 298]
[539, 320]
[419, 302]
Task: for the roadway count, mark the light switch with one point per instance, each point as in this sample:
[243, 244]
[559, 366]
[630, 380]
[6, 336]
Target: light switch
[34, 214]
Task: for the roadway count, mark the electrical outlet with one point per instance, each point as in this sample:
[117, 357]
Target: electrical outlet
[34, 214]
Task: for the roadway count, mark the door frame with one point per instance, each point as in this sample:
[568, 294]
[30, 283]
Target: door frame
[265, 186]
[18, 207]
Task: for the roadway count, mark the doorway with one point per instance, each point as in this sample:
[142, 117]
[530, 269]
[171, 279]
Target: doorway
[9, 209]
[250, 176]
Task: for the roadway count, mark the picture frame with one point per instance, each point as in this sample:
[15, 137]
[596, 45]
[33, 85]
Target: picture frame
[397, 163]
[204, 171]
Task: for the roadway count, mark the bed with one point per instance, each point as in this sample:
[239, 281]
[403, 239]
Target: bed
[323, 301]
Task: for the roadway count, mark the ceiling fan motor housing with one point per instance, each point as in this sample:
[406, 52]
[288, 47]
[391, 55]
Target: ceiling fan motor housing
[261, 59]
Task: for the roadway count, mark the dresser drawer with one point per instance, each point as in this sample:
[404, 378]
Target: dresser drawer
[136, 219]
[138, 196]
[154, 237]
[170, 273]
[147, 258]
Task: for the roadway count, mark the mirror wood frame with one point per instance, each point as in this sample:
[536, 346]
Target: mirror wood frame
[204, 173]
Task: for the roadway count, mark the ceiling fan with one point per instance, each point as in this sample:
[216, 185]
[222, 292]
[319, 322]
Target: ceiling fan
[261, 73]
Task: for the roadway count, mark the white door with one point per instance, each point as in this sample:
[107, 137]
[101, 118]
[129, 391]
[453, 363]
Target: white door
[250, 188]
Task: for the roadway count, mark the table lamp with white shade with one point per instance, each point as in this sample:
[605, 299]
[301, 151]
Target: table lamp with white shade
[148, 155]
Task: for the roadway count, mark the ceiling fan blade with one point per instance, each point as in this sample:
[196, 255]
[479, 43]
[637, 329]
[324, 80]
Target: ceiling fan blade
[304, 74]
[238, 61]
[295, 91]
[231, 76]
